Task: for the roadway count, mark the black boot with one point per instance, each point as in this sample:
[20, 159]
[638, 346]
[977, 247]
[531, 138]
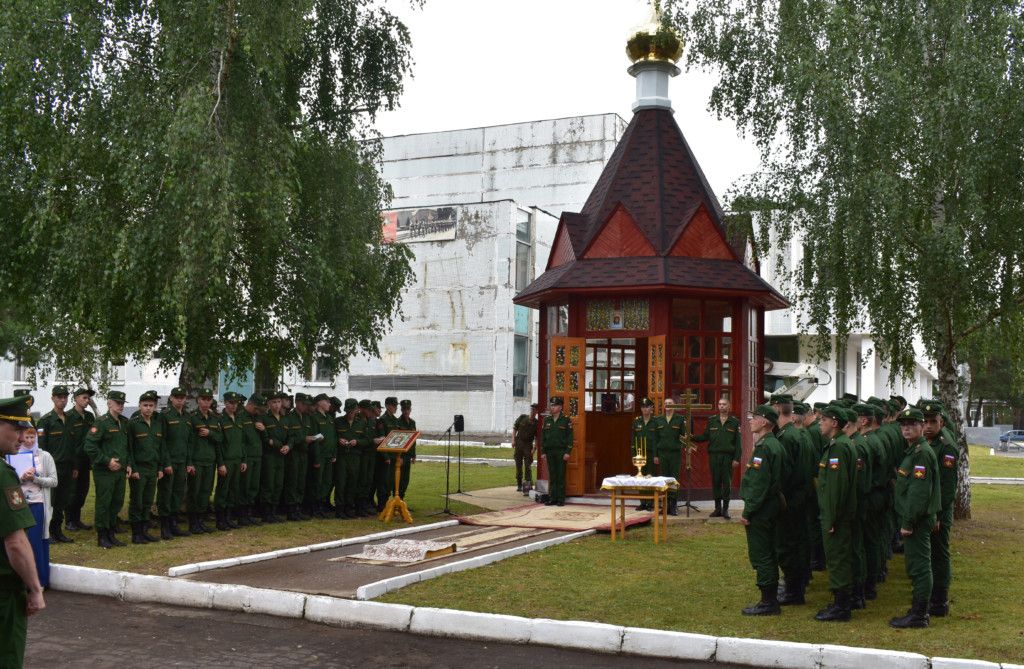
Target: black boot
[717, 513]
[300, 513]
[57, 533]
[81, 523]
[857, 599]
[112, 538]
[71, 522]
[175, 530]
[838, 610]
[229, 518]
[222, 522]
[939, 605]
[254, 519]
[146, 536]
[101, 538]
[794, 592]
[769, 604]
[201, 524]
[137, 534]
[519, 486]
[725, 509]
[193, 524]
[293, 513]
[165, 528]
[673, 507]
[916, 617]
[871, 588]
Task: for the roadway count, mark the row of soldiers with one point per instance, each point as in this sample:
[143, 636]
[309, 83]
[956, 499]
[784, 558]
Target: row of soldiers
[858, 477]
[266, 456]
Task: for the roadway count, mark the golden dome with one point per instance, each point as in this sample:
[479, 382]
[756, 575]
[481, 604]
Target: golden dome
[654, 40]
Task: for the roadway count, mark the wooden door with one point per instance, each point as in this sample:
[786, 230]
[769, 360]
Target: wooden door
[566, 370]
[656, 372]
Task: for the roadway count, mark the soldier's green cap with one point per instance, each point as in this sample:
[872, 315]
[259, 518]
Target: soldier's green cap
[350, 404]
[850, 397]
[646, 402]
[376, 404]
[60, 391]
[558, 401]
[149, 396]
[257, 400]
[863, 409]
[818, 406]
[365, 404]
[800, 409]
[335, 403]
[232, 396]
[322, 396]
[204, 392]
[875, 400]
[178, 391]
[781, 398]
[391, 401]
[304, 398]
[406, 404]
[85, 391]
[23, 392]
[279, 395]
[765, 411]
[899, 399]
[851, 415]
[836, 413]
[15, 410]
[116, 395]
[910, 415]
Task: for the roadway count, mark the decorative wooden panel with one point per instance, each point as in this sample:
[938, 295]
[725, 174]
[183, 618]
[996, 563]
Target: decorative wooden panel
[620, 238]
[566, 370]
[656, 372]
[561, 251]
[701, 238]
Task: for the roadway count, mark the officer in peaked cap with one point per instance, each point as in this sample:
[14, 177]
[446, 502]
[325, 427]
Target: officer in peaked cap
[557, 442]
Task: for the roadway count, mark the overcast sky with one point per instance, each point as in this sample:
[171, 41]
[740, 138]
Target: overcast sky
[487, 62]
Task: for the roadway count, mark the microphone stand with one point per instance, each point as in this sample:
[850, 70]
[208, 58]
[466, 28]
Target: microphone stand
[447, 473]
[460, 491]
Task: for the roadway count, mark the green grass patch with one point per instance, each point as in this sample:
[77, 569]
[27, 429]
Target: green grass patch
[701, 578]
[983, 464]
[425, 496]
[467, 451]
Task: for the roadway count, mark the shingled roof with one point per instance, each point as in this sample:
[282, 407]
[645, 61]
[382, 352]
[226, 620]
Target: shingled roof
[651, 220]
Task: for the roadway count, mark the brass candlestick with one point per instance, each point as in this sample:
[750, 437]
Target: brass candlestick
[640, 459]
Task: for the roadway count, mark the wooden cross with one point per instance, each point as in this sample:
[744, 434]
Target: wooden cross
[689, 406]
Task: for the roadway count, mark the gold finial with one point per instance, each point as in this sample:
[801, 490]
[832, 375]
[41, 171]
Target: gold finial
[654, 40]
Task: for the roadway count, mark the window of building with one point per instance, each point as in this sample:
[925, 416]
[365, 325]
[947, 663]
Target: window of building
[524, 246]
[611, 375]
[703, 357]
[782, 349]
[558, 320]
[21, 371]
[840, 369]
[323, 371]
[753, 363]
[520, 365]
[268, 377]
[113, 373]
[858, 371]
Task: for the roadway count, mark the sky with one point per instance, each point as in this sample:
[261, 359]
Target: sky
[488, 62]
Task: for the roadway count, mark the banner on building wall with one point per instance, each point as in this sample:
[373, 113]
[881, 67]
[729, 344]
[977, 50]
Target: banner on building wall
[618, 315]
[435, 224]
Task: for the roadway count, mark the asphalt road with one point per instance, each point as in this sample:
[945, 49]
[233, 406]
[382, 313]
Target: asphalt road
[98, 632]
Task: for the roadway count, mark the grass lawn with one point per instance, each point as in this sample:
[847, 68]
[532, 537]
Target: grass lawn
[983, 464]
[467, 451]
[425, 496]
[700, 580]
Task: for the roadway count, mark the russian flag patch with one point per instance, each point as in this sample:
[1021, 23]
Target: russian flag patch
[833, 463]
[919, 471]
[948, 461]
[756, 462]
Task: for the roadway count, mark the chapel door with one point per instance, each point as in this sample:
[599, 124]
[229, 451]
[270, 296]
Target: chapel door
[566, 368]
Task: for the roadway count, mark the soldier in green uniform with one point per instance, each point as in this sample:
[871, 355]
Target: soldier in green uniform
[367, 458]
[249, 482]
[148, 450]
[232, 462]
[378, 486]
[837, 506]
[55, 439]
[323, 453]
[874, 508]
[204, 457]
[918, 500]
[107, 448]
[275, 436]
[856, 417]
[21, 594]
[722, 434]
[300, 436]
[390, 420]
[947, 454]
[406, 422]
[645, 438]
[761, 492]
[556, 442]
[80, 419]
[352, 438]
[792, 543]
[668, 453]
[812, 427]
[524, 434]
[170, 490]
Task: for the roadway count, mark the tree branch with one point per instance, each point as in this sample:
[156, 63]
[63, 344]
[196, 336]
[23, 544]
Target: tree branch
[987, 319]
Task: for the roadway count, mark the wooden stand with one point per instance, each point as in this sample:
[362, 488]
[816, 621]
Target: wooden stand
[396, 505]
[658, 497]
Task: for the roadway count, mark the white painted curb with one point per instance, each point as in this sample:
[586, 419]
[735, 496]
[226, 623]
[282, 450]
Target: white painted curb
[378, 588]
[598, 637]
[194, 568]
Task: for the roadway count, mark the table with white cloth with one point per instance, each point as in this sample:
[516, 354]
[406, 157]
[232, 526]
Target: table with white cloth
[644, 488]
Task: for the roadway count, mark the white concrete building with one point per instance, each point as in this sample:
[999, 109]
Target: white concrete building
[853, 367]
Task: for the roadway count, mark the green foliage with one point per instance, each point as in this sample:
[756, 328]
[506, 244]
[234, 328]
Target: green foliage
[196, 181]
